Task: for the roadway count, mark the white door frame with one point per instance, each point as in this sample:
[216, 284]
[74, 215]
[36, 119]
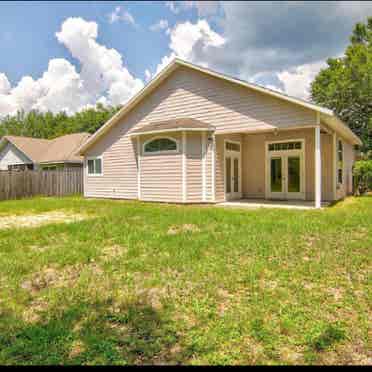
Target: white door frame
[233, 155]
[284, 155]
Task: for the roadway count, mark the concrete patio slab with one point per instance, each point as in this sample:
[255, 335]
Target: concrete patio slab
[262, 203]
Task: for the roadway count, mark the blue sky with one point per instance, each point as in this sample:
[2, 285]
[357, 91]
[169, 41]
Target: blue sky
[106, 51]
[27, 33]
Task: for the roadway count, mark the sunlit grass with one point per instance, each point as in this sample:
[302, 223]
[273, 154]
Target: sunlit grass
[153, 284]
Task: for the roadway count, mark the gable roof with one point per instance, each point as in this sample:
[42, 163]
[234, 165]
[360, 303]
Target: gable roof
[58, 150]
[33, 148]
[63, 149]
[327, 115]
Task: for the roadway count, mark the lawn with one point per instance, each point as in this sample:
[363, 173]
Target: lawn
[118, 282]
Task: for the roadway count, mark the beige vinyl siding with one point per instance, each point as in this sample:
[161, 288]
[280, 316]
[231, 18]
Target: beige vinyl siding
[226, 106]
[119, 166]
[254, 162]
[161, 174]
[194, 176]
[186, 93]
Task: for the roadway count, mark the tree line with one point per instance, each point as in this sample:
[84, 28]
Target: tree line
[49, 125]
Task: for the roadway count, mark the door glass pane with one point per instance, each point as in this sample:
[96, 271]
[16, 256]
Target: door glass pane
[236, 175]
[90, 166]
[98, 169]
[228, 175]
[276, 174]
[294, 174]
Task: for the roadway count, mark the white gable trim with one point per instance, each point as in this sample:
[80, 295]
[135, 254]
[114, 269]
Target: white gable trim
[6, 141]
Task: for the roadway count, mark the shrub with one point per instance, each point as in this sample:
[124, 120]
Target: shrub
[362, 176]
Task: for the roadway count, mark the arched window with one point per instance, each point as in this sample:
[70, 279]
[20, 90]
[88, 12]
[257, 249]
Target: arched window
[158, 145]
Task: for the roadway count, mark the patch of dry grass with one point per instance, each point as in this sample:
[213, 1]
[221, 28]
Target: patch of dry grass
[35, 220]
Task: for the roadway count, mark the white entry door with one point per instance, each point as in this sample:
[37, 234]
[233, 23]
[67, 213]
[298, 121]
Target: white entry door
[232, 171]
[285, 178]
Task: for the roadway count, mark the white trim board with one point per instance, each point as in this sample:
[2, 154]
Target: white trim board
[184, 167]
[232, 154]
[204, 164]
[170, 131]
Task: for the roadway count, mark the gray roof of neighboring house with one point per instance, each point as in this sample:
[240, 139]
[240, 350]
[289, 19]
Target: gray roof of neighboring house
[174, 125]
[58, 150]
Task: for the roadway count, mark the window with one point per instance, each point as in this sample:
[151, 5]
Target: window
[340, 163]
[95, 166]
[160, 145]
[231, 146]
[282, 146]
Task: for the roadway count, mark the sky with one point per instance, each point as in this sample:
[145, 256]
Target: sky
[70, 55]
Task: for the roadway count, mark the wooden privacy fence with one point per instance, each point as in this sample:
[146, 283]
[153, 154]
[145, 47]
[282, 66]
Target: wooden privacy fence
[21, 184]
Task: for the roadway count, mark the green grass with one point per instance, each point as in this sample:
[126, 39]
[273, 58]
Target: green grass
[154, 284]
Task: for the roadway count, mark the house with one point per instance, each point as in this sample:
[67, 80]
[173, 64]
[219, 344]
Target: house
[34, 153]
[193, 135]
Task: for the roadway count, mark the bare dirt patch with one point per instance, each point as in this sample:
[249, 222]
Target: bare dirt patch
[77, 348]
[57, 277]
[33, 312]
[178, 229]
[113, 251]
[35, 220]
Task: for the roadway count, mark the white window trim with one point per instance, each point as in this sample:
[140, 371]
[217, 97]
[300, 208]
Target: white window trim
[213, 168]
[138, 168]
[204, 163]
[184, 167]
[87, 167]
[149, 153]
[232, 152]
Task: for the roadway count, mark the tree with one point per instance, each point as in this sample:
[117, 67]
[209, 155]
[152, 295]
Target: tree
[48, 125]
[345, 86]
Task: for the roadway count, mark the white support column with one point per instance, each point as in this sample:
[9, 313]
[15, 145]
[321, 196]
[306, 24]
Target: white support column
[204, 154]
[138, 168]
[318, 169]
[334, 167]
[213, 176]
[184, 170]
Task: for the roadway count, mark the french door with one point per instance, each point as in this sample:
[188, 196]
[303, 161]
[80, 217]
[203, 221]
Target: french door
[286, 175]
[232, 171]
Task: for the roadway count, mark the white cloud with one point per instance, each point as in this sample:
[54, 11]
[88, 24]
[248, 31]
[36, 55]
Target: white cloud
[103, 77]
[297, 81]
[120, 14]
[161, 25]
[147, 75]
[101, 68]
[187, 37]
[184, 37]
[4, 84]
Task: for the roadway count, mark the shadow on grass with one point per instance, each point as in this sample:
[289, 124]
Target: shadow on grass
[92, 333]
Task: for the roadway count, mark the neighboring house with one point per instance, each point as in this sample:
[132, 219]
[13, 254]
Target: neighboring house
[33, 153]
[193, 135]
